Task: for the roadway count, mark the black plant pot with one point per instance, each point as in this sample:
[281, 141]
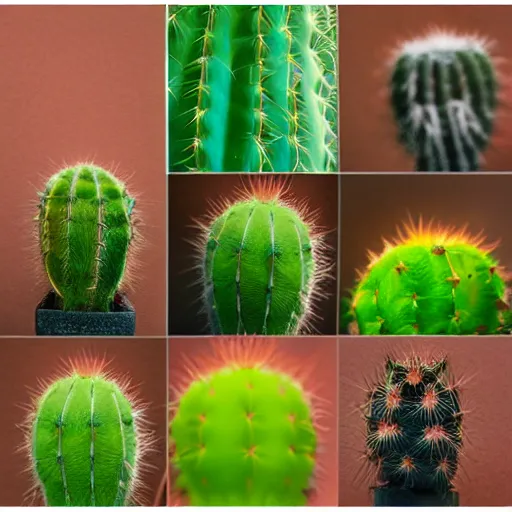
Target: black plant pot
[52, 321]
[394, 497]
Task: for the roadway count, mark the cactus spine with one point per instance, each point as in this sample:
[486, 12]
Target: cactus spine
[414, 427]
[431, 281]
[85, 230]
[444, 95]
[252, 88]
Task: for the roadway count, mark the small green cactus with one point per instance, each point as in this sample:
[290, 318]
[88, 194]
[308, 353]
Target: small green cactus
[444, 92]
[85, 230]
[252, 88]
[430, 281]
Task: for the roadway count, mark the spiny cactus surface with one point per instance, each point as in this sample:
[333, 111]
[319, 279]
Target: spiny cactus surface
[85, 230]
[414, 426]
[252, 88]
[444, 93]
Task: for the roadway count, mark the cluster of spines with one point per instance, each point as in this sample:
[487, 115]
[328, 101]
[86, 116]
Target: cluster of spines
[414, 426]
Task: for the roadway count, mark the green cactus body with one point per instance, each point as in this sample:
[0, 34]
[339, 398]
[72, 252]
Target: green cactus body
[414, 427]
[244, 437]
[85, 232]
[430, 286]
[259, 269]
[252, 88]
[84, 443]
[444, 95]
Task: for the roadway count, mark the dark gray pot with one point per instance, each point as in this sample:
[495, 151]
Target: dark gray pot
[394, 497]
[52, 321]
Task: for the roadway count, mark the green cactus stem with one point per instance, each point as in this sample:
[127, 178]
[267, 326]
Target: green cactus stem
[444, 93]
[252, 88]
[85, 230]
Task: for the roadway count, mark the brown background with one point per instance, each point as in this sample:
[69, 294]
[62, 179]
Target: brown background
[373, 205]
[485, 470]
[189, 199]
[24, 362]
[321, 355]
[368, 134]
[80, 83]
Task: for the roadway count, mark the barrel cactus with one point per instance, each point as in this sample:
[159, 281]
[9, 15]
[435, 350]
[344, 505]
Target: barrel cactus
[431, 281]
[252, 88]
[85, 231]
[444, 93]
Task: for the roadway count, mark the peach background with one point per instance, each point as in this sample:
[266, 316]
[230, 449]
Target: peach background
[321, 357]
[26, 362]
[81, 83]
[484, 362]
[368, 33]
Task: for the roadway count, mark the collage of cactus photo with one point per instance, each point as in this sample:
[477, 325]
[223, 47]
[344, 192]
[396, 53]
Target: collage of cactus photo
[255, 255]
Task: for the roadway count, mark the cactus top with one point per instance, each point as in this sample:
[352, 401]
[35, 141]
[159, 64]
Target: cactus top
[439, 42]
[85, 231]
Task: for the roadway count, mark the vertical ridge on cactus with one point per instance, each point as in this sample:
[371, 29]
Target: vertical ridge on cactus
[444, 93]
[252, 88]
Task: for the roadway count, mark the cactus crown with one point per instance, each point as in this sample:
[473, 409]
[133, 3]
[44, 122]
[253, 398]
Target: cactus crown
[85, 231]
[414, 426]
[252, 88]
[444, 92]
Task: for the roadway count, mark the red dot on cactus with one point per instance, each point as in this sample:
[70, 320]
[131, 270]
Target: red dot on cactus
[387, 430]
[435, 434]
[414, 376]
[430, 399]
[292, 418]
[202, 418]
[250, 415]
[251, 451]
[443, 466]
[407, 464]
[393, 399]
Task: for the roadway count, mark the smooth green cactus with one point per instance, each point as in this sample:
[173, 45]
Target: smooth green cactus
[84, 443]
[444, 92]
[85, 230]
[244, 436]
[431, 282]
[252, 88]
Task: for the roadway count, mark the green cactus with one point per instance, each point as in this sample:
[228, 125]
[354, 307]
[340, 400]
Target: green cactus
[244, 436]
[85, 230]
[444, 92]
[431, 282]
[84, 442]
[252, 88]
[414, 428]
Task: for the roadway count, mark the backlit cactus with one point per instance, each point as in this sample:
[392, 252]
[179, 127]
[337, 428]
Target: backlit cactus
[243, 434]
[431, 281]
[252, 88]
[444, 92]
[414, 427]
[85, 230]
[262, 264]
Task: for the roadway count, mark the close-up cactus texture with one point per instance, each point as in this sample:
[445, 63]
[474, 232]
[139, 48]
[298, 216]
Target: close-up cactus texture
[243, 434]
[414, 427]
[85, 440]
[444, 94]
[430, 281]
[85, 231]
[263, 263]
[252, 88]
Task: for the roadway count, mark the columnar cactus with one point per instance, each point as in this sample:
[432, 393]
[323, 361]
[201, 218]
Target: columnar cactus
[85, 441]
[414, 427]
[431, 281]
[243, 434]
[85, 230]
[444, 92]
[262, 263]
[252, 88]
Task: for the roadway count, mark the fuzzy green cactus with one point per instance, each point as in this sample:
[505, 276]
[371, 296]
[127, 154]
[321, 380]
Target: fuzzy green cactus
[244, 436]
[431, 281]
[84, 442]
[85, 230]
[252, 88]
[444, 92]
[262, 263]
[414, 429]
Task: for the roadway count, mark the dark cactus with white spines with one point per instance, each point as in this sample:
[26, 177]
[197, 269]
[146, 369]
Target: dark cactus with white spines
[85, 230]
[414, 427]
[444, 93]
